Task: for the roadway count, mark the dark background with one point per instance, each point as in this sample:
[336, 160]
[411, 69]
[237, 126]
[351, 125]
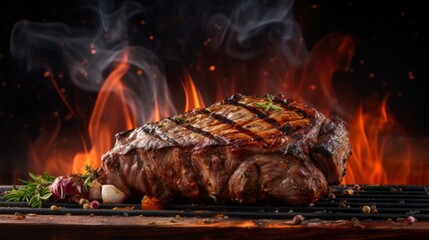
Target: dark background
[391, 39]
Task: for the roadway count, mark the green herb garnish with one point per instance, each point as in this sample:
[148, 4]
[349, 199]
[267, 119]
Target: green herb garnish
[179, 120]
[90, 175]
[269, 105]
[34, 192]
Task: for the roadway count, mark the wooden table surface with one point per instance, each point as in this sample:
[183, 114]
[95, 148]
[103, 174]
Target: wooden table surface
[140, 227]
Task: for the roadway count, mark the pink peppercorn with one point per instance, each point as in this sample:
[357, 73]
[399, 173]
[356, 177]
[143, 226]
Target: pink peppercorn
[411, 220]
[297, 219]
[94, 204]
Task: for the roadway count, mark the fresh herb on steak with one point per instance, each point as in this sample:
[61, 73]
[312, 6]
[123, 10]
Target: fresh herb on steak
[34, 192]
[179, 120]
[268, 106]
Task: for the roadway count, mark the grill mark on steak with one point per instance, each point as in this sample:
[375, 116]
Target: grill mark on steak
[287, 105]
[260, 114]
[204, 133]
[235, 125]
[159, 135]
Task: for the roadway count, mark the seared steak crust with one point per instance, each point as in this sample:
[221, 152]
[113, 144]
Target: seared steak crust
[244, 149]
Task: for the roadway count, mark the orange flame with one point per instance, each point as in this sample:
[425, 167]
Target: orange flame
[112, 113]
[382, 153]
[192, 95]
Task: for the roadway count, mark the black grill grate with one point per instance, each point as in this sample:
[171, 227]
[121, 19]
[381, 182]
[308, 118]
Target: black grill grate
[391, 201]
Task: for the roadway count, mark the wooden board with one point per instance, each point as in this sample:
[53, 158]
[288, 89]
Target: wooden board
[139, 227]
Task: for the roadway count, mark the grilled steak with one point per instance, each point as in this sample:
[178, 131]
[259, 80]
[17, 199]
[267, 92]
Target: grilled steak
[243, 149]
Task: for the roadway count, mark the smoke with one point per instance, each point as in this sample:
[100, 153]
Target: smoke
[255, 27]
[243, 33]
[87, 54]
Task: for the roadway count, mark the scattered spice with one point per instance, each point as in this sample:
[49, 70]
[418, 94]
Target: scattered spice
[348, 191]
[374, 209]
[83, 201]
[94, 204]
[123, 208]
[86, 206]
[355, 222]
[19, 216]
[366, 209]
[31, 215]
[343, 204]
[297, 219]
[207, 221]
[152, 203]
[54, 207]
[411, 220]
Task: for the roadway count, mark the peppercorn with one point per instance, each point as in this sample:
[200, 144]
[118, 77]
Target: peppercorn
[355, 222]
[83, 201]
[411, 220]
[348, 191]
[94, 204]
[86, 206]
[366, 209]
[297, 219]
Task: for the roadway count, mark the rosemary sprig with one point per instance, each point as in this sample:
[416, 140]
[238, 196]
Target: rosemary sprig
[90, 175]
[269, 105]
[179, 120]
[34, 192]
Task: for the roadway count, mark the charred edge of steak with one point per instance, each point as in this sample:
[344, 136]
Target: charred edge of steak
[332, 149]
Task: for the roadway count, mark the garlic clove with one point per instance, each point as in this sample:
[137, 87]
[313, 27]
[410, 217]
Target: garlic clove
[110, 194]
[95, 190]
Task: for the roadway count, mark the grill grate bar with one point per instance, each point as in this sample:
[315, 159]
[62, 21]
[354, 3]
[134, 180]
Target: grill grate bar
[392, 201]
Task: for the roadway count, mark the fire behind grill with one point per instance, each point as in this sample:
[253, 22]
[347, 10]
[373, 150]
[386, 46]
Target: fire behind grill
[391, 201]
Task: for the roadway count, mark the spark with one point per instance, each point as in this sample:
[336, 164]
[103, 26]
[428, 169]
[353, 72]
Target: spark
[411, 75]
